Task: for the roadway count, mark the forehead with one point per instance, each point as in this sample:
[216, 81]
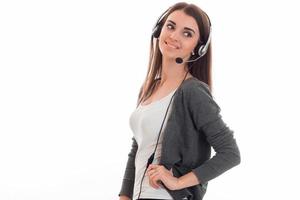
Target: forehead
[183, 20]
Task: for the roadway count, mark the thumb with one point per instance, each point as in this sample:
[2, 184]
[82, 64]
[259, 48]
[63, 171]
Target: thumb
[171, 170]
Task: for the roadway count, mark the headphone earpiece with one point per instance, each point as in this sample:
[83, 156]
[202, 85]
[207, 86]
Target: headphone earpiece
[196, 49]
[200, 50]
[158, 26]
[156, 31]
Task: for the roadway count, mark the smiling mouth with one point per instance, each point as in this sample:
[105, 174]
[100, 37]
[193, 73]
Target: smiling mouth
[172, 46]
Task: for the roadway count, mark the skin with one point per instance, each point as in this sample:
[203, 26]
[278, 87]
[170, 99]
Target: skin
[183, 41]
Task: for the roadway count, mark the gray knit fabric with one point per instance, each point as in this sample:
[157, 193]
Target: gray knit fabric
[193, 127]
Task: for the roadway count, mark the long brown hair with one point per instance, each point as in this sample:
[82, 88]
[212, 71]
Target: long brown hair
[200, 69]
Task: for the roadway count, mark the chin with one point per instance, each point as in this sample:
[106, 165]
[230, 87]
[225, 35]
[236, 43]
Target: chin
[169, 54]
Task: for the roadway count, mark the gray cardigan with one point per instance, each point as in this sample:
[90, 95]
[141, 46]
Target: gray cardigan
[193, 127]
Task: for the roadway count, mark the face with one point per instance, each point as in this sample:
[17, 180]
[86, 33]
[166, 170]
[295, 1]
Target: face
[179, 35]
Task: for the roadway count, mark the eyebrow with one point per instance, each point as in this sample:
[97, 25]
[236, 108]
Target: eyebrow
[184, 27]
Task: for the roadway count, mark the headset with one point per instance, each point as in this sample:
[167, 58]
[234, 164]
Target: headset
[201, 52]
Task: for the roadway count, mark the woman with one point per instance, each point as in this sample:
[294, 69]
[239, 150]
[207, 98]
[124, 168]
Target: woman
[177, 121]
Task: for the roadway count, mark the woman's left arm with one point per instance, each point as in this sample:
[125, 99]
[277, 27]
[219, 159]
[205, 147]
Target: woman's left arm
[206, 115]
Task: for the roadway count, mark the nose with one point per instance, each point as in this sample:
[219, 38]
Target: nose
[174, 36]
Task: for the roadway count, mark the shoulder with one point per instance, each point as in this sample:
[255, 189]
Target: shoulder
[194, 86]
[195, 94]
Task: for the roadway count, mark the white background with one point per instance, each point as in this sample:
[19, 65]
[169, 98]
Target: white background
[70, 72]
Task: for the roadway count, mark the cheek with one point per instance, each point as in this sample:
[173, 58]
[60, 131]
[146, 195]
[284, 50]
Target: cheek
[187, 46]
[191, 45]
[162, 35]
[161, 45]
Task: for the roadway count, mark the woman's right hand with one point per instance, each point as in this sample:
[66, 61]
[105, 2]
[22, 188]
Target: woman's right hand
[124, 198]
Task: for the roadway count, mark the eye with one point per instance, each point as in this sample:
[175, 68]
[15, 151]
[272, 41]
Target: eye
[170, 26]
[188, 34]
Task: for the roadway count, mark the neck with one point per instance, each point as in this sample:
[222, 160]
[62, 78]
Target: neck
[173, 73]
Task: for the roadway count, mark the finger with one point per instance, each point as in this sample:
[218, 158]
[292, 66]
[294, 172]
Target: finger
[150, 175]
[152, 180]
[150, 172]
[156, 182]
[152, 183]
[155, 179]
[151, 166]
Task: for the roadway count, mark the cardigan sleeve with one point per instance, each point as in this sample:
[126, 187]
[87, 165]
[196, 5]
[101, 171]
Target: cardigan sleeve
[208, 121]
[129, 175]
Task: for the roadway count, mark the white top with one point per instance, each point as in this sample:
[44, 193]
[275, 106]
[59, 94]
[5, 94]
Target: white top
[145, 122]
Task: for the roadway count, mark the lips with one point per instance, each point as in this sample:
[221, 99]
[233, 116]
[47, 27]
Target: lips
[171, 45]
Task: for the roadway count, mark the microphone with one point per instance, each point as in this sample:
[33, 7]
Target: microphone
[180, 60]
